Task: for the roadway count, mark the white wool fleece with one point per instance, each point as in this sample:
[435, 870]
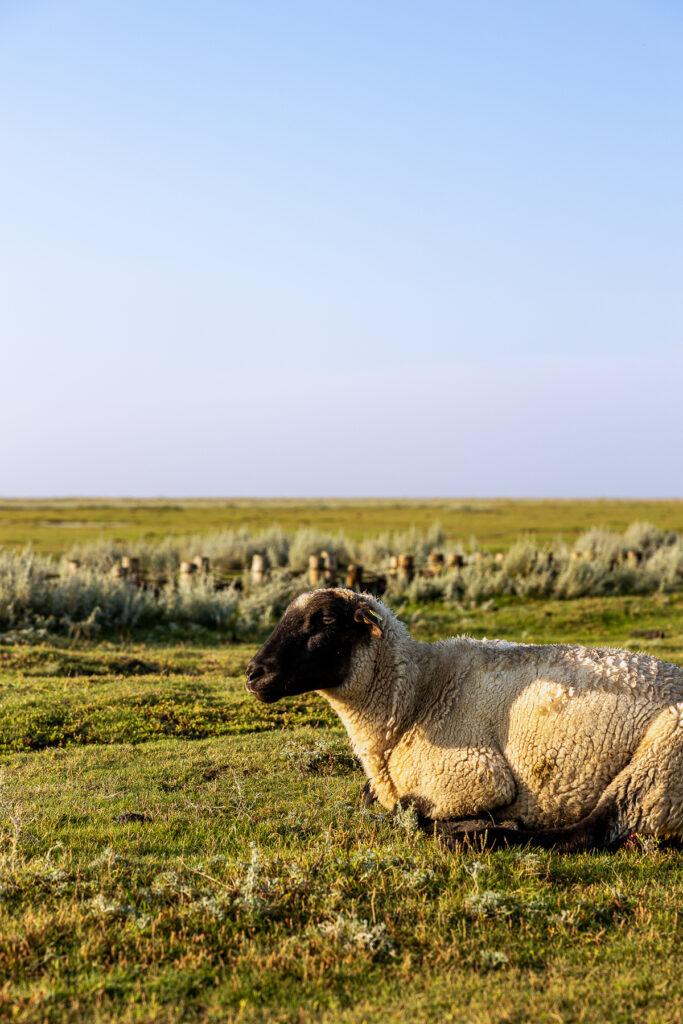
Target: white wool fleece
[535, 733]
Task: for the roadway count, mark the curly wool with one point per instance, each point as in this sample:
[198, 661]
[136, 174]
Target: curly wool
[537, 733]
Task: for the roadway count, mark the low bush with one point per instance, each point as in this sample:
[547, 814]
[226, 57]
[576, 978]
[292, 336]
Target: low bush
[37, 592]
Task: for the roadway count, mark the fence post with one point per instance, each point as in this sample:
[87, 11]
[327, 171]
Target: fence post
[132, 567]
[406, 568]
[258, 568]
[185, 578]
[354, 577]
[436, 563]
[315, 564]
[330, 566]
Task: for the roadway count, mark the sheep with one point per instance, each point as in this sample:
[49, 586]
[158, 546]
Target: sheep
[569, 748]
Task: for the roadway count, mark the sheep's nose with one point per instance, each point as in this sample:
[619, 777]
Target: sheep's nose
[254, 671]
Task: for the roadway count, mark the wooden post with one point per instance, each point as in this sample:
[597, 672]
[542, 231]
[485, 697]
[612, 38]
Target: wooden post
[330, 566]
[436, 563]
[354, 577]
[406, 568]
[258, 568]
[202, 563]
[72, 566]
[132, 567]
[315, 564]
[185, 578]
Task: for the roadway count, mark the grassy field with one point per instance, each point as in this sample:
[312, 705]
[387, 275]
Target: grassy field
[53, 526]
[172, 850]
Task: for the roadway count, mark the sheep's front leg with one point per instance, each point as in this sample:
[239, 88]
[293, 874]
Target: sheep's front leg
[453, 782]
[597, 831]
[459, 829]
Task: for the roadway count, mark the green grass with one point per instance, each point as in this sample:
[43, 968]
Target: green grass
[171, 850]
[84, 699]
[52, 526]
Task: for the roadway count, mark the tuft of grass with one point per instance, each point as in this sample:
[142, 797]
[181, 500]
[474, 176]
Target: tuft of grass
[324, 755]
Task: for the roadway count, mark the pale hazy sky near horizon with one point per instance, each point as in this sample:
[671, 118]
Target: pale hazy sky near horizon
[352, 248]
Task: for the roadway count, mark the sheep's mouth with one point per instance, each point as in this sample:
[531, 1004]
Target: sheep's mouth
[266, 698]
[267, 693]
[272, 687]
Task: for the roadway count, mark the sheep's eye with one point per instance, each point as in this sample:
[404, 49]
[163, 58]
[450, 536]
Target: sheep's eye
[327, 619]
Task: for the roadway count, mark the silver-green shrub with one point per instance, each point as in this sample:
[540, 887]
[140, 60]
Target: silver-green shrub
[666, 565]
[40, 592]
[600, 544]
[646, 538]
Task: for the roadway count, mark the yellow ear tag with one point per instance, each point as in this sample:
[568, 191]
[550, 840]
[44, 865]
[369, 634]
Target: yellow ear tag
[368, 622]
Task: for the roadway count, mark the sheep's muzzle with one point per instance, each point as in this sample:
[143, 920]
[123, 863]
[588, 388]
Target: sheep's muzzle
[264, 684]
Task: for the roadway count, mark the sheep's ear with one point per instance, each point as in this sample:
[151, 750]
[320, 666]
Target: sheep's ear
[364, 613]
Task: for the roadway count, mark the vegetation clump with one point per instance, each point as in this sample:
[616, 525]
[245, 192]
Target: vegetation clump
[83, 596]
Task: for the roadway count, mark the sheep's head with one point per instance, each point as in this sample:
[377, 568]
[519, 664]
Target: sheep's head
[312, 645]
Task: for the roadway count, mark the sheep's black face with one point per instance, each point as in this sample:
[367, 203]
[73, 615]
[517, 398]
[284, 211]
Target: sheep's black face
[311, 647]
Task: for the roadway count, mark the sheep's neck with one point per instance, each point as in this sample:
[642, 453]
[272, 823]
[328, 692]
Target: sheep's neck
[381, 710]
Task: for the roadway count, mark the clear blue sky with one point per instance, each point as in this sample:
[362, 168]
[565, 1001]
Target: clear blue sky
[343, 248]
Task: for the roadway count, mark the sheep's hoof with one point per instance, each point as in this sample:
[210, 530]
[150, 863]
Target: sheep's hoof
[476, 833]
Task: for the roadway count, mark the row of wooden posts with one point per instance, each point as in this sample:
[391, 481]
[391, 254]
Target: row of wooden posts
[128, 568]
[325, 567]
